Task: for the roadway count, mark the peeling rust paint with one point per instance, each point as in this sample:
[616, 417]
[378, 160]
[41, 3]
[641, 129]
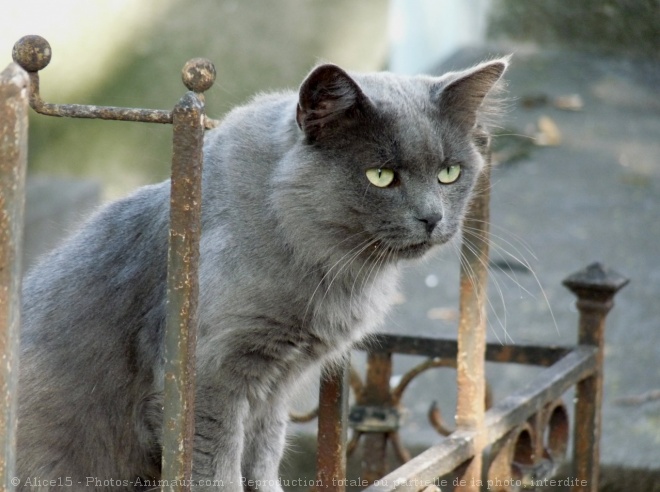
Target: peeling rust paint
[182, 291]
[471, 344]
[14, 84]
[331, 455]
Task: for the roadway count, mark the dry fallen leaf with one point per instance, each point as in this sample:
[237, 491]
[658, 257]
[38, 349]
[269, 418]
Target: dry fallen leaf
[548, 134]
[569, 102]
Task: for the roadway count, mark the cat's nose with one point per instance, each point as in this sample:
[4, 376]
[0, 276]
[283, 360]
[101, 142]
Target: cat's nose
[430, 221]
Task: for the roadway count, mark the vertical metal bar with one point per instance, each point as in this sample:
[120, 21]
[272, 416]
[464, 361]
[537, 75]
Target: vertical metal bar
[470, 364]
[595, 287]
[333, 416]
[14, 84]
[376, 393]
[182, 292]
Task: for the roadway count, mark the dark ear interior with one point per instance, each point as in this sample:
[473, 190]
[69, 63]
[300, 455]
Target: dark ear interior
[327, 96]
[462, 97]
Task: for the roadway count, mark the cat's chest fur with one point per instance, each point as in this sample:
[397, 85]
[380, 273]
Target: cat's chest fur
[284, 316]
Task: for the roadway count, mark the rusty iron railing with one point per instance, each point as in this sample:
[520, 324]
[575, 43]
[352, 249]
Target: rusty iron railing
[521, 438]
[33, 53]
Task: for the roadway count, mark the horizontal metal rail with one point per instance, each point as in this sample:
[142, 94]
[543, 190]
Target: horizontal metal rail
[423, 470]
[33, 53]
[445, 348]
[546, 387]
[516, 409]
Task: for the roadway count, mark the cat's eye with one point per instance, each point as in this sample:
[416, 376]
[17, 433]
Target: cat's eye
[449, 174]
[381, 177]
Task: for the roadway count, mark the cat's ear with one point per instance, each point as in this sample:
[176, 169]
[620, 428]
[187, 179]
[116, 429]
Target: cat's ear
[328, 97]
[461, 96]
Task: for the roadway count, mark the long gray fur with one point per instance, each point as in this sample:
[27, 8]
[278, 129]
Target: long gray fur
[299, 260]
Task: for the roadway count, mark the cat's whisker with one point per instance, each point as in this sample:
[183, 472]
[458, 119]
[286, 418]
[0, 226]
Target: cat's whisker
[521, 135]
[330, 250]
[467, 268]
[482, 188]
[346, 264]
[388, 314]
[521, 259]
[519, 256]
[502, 323]
[524, 244]
[381, 261]
[497, 247]
[380, 256]
[328, 272]
[357, 275]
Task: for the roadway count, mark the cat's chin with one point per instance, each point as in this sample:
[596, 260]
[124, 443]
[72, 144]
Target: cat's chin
[412, 251]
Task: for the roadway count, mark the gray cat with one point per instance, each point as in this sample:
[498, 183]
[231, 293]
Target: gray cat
[310, 202]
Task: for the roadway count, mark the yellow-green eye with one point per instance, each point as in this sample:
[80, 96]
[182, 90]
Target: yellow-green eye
[380, 177]
[449, 174]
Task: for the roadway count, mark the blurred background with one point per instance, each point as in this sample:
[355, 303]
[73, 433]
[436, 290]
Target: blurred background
[577, 177]
[127, 53]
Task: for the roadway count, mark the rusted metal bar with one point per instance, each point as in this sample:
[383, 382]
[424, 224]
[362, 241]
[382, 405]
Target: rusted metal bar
[376, 393]
[182, 292]
[595, 288]
[33, 53]
[448, 349]
[470, 367]
[13, 164]
[424, 469]
[333, 414]
[546, 387]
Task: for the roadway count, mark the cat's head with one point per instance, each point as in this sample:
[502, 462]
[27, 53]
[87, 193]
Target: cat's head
[386, 163]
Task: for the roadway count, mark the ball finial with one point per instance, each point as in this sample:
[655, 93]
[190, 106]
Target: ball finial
[32, 53]
[198, 74]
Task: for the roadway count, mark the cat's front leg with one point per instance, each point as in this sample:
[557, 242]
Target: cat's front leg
[265, 432]
[220, 416]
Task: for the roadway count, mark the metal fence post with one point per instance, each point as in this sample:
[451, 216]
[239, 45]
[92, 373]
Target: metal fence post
[14, 83]
[332, 422]
[595, 287]
[182, 278]
[376, 393]
[470, 363]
